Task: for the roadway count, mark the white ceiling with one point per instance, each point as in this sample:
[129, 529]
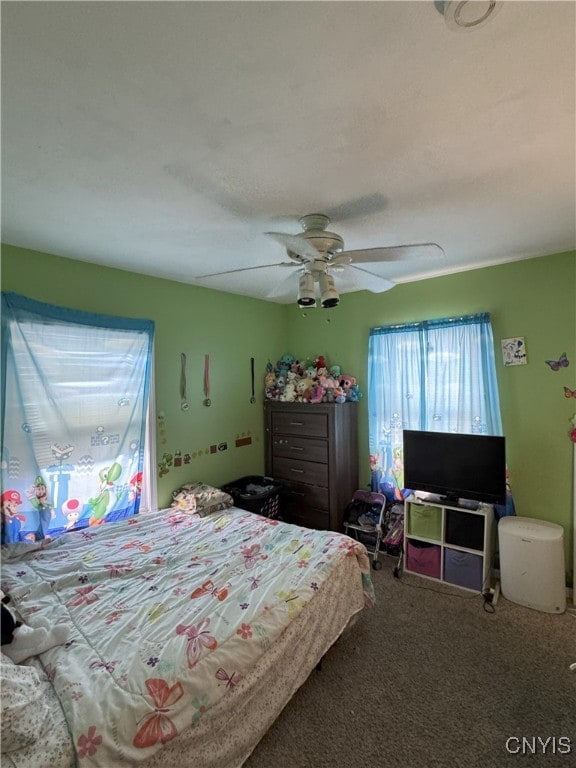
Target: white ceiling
[167, 137]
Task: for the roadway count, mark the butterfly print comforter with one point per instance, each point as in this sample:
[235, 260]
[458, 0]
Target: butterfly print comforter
[168, 612]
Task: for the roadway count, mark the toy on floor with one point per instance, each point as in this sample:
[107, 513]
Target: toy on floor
[19, 641]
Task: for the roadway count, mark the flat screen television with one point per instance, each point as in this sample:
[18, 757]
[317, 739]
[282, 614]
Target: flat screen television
[456, 466]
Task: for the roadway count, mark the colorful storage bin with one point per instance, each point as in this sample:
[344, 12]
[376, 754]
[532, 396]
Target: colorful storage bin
[423, 558]
[425, 521]
[464, 569]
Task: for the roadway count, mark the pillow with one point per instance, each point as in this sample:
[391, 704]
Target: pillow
[200, 499]
[23, 708]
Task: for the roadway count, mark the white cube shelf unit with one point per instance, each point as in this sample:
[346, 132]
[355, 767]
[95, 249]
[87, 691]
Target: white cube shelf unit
[449, 543]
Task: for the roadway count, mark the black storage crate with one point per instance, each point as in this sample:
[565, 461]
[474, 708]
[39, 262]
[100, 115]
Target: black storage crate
[464, 529]
[256, 493]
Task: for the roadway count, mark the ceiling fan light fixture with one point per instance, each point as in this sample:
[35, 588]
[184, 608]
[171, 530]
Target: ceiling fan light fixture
[329, 296]
[465, 15]
[306, 292]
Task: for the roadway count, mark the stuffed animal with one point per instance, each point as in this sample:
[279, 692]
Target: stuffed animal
[328, 396]
[303, 386]
[19, 641]
[297, 368]
[353, 394]
[339, 395]
[271, 393]
[284, 364]
[270, 378]
[316, 393]
[346, 382]
[289, 393]
[320, 372]
[310, 373]
[327, 382]
[335, 371]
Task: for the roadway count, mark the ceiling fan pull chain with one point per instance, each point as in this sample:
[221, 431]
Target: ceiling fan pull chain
[207, 401]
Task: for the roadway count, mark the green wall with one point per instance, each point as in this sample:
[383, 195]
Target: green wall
[196, 321]
[535, 298]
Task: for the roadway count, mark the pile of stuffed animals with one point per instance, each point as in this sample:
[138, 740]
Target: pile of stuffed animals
[311, 381]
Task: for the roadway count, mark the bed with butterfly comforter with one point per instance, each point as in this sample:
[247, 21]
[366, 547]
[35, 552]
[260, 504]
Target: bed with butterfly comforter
[188, 635]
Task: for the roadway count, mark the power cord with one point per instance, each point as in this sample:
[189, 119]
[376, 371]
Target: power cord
[487, 596]
[488, 605]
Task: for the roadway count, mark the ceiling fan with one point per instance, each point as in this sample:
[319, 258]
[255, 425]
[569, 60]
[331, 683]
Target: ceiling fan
[316, 252]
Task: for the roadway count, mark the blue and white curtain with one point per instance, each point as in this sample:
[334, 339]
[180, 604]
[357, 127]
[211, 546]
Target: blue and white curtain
[435, 375]
[74, 398]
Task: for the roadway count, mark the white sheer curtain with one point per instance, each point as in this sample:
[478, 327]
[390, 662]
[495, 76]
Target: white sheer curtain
[75, 398]
[436, 375]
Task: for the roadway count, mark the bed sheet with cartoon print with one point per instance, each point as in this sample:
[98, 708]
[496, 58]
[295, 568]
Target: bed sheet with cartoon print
[168, 614]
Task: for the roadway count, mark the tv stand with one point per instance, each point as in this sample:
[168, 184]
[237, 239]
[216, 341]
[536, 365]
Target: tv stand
[449, 542]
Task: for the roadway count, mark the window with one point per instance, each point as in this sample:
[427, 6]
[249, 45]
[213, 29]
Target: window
[436, 375]
[76, 442]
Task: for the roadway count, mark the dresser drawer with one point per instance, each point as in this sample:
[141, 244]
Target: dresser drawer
[304, 448]
[302, 423]
[301, 496]
[300, 471]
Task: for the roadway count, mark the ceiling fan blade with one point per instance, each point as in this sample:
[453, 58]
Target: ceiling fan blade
[357, 279]
[249, 269]
[288, 284]
[394, 253]
[340, 259]
[297, 244]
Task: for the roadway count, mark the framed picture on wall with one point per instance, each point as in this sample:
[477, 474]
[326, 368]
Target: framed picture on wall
[514, 351]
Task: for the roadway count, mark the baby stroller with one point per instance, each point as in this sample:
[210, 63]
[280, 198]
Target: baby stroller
[393, 539]
[364, 521]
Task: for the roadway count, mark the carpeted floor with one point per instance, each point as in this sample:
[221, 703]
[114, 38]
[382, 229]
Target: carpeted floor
[429, 679]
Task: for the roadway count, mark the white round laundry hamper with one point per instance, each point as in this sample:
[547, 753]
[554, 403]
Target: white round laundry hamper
[532, 569]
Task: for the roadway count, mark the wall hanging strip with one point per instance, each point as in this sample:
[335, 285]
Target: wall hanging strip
[253, 398]
[184, 405]
[207, 400]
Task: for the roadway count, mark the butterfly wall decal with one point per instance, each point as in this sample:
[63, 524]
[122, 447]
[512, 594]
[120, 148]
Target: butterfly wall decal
[562, 362]
[569, 392]
[157, 726]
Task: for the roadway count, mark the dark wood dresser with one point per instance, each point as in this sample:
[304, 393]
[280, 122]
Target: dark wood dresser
[312, 450]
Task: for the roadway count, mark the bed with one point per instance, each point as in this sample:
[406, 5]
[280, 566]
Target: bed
[188, 635]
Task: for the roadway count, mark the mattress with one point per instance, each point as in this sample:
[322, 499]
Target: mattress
[188, 634]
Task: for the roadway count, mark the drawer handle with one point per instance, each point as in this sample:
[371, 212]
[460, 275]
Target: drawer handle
[296, 448]
[298, 471]
[296, 423]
